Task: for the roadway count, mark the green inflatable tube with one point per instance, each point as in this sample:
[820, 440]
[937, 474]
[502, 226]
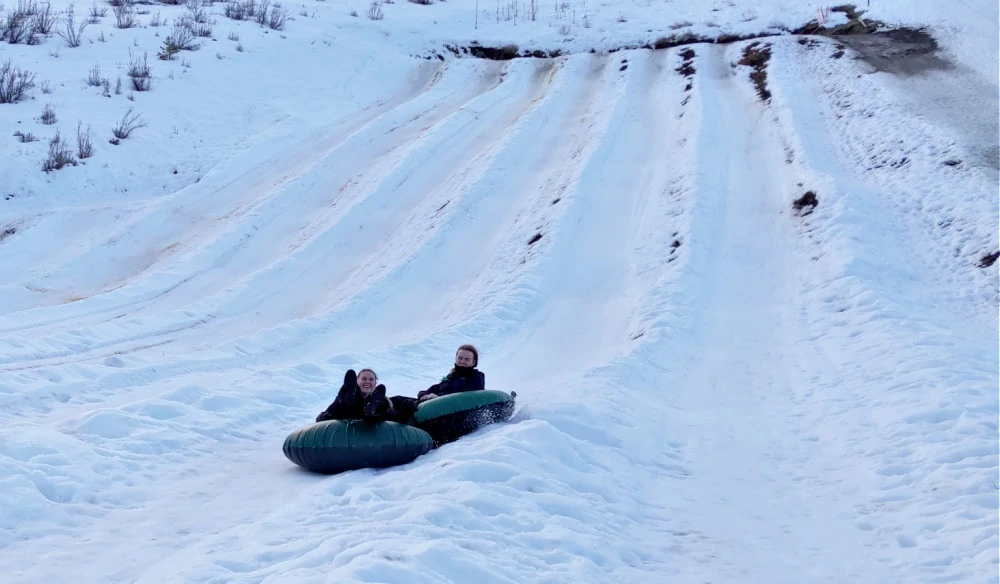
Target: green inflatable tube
[449, 417]
[336, 446]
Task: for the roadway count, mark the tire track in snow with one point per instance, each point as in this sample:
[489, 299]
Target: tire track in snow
[736, 419]
[479, 231]
[522, 92]
[394, 220]
[634, 119]
[591, 290]
[363, 149]
[895, 154]
[222, 197]
[586, 264]
[225, 206]
[900, 376]
[749, 510]
[591, 96]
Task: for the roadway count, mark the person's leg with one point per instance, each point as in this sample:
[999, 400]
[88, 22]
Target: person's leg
[405, 407]
[349, 394]
[377, 407]
[347, 404]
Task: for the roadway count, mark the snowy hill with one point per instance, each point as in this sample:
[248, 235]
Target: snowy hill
[746, 291]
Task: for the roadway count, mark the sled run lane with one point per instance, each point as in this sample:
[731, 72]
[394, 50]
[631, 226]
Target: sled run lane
[713, 388]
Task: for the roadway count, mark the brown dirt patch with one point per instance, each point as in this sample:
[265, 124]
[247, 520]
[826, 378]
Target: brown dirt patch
[756, 56]
[902, 51]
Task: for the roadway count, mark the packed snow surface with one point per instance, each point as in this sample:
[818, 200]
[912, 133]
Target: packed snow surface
[714, 383]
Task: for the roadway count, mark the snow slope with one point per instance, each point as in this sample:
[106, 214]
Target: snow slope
[713, 387]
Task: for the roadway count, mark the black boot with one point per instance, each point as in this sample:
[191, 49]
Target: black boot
[350, 379]
[403, 408]
[349, 396]
[377, 406]
[347, 404]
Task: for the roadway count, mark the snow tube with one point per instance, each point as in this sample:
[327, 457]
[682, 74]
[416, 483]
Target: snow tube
[340, 445]
[449, 417]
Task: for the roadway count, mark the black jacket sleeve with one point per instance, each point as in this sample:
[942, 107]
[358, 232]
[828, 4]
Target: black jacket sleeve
[340, 410]
[457, 384]
[333, 412]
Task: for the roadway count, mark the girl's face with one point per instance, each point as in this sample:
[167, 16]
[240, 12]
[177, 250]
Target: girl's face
[464, 358]
[367, 382]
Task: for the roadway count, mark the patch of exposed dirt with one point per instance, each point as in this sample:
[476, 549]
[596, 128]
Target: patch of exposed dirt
[504, 53]
[989, 259]
[855, 24]
[805, 204]
[901, 51]
[756, 56]
[935, 87]
[508, 52]
[686, 68]
[857, 27]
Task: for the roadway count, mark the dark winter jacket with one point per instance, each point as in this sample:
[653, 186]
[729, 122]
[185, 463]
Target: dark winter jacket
[351, 407]
[460, 379]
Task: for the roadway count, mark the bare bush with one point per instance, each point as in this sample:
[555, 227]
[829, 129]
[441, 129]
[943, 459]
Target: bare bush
[197, 24]
[18, 25]
[375, 10]
[94, 79]
[183, 36]
[180, 39]
[156, 21]
[241, 9]
[200, 29]
[97, 13]
[14, 82]
[44, 19]
[27, 7]
[60, 155]
[73, 33]
[261, 12]
[124, 13]
[128, 124]
[139, 71]
[278, 17]
[48, 115]
[234, 10]
[196, 12]
[25, 138]
[84, 143]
